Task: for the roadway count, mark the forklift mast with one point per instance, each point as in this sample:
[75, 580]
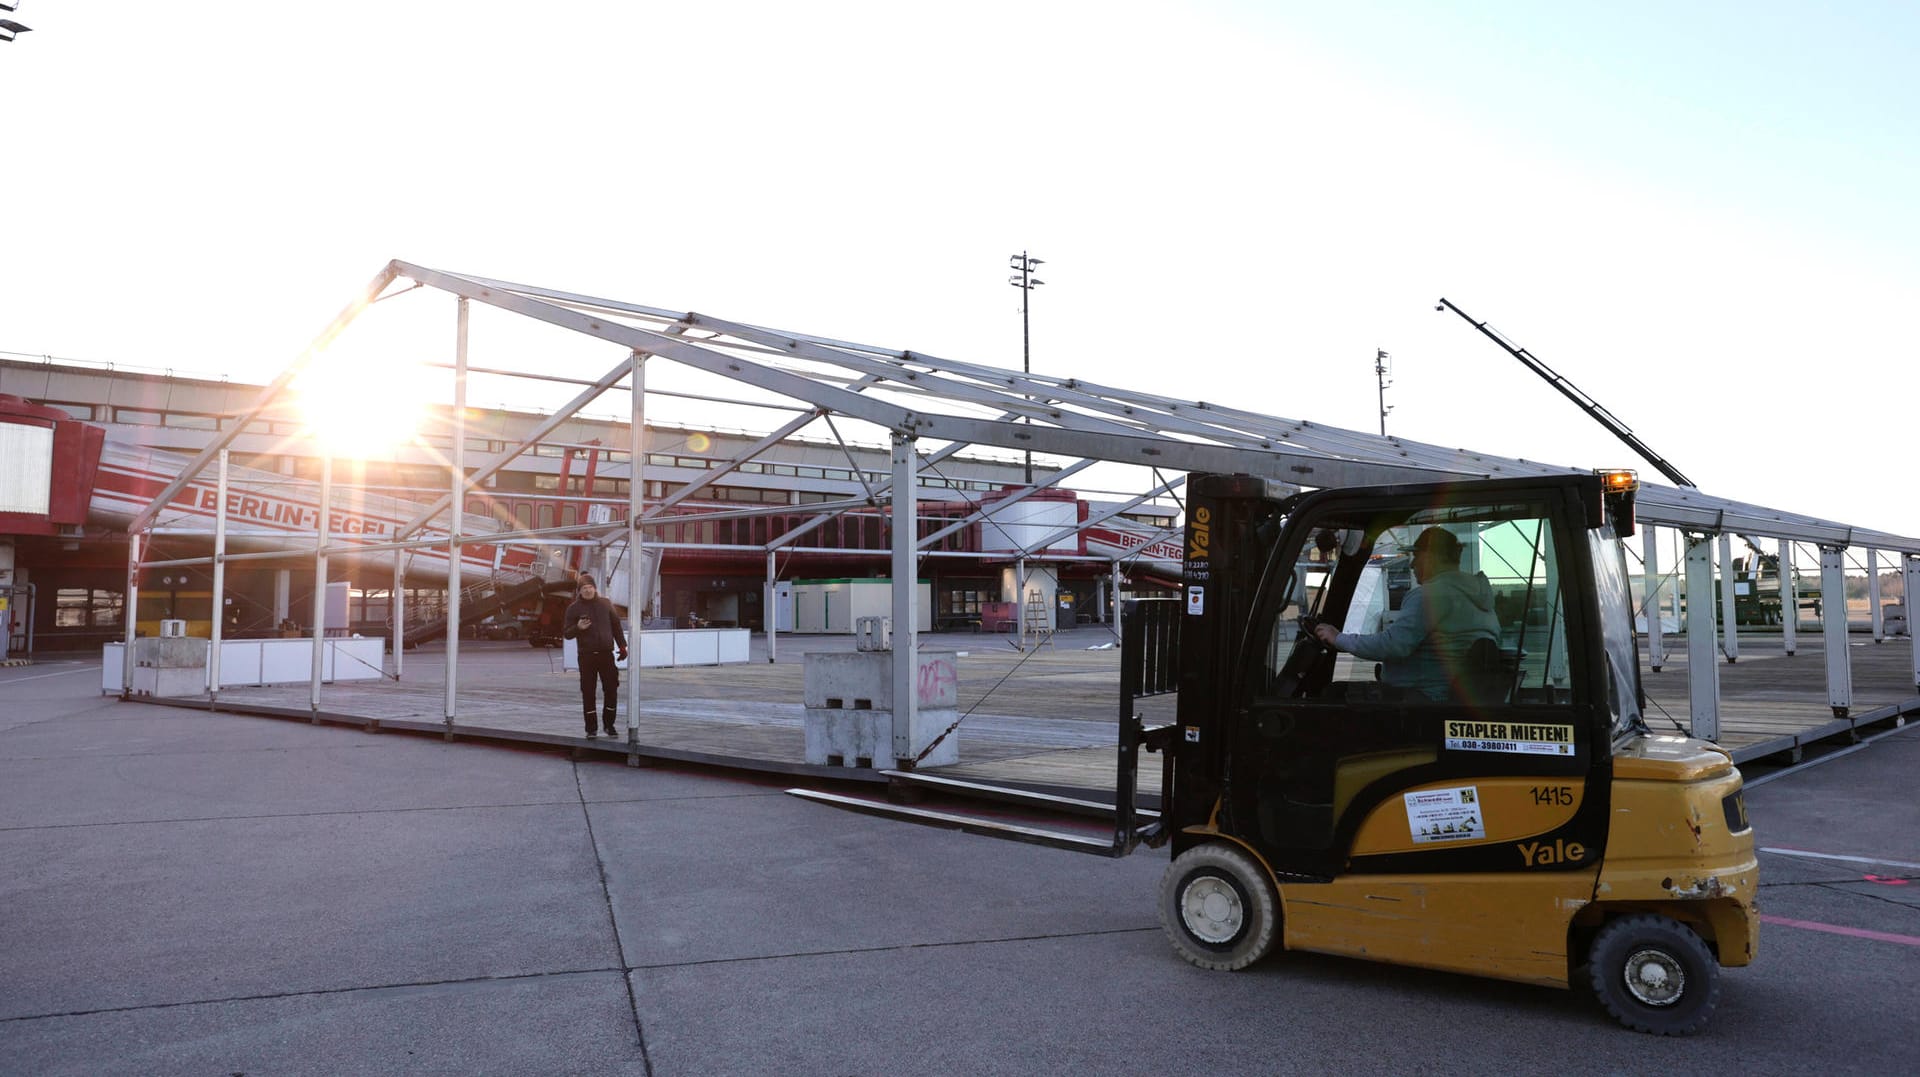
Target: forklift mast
[1233, 522]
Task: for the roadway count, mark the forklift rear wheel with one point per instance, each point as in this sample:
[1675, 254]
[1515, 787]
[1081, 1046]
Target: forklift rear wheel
[1218, 907]
[1654, 974]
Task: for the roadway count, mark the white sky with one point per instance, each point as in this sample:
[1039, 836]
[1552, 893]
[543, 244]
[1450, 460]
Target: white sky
[1701, 214]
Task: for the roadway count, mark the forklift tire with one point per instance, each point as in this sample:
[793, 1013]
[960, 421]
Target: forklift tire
[1654, 974]
[1218, 907]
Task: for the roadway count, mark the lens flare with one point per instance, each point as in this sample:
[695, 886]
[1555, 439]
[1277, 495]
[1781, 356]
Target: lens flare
[360, 406]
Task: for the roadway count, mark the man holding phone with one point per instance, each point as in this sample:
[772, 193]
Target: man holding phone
[591, 621]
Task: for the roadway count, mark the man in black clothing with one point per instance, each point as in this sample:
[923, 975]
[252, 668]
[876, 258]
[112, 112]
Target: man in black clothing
[590, 620]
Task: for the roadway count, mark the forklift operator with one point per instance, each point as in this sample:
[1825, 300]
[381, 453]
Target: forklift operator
[1439, 621]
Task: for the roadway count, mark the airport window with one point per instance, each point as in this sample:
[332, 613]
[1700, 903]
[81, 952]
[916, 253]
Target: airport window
[964, 602]
[546, 516]
[552, 482]
[80, 607]
[549, 450]
[191, 422]
[78, 411]
[136, 417]
[751, 467]
[780, 469]
[70, 608]
[106, 608]
[569, 515]
[810, 472]
[690, 461]
[618, 457]
[659, 460]
[523, 515]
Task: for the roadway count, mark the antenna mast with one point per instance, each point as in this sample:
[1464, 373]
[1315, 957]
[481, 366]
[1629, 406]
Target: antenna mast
[1382, 371]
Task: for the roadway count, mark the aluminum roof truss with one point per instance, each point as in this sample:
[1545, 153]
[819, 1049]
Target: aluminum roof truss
[963, 404]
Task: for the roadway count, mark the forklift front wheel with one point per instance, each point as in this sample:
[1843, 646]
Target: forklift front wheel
[1654, 975]
[1218, 907]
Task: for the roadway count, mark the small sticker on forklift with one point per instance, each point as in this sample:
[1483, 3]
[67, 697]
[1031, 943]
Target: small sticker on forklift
[1517, 737]
[1196, 601]
[1445, 814]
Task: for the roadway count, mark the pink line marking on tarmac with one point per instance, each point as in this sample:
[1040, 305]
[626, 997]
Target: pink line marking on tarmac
[1836, 929]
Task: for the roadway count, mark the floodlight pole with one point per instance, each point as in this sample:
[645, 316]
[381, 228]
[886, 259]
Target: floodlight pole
[1026, 282]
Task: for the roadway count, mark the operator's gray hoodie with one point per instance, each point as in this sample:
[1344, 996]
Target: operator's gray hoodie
[1438, 621]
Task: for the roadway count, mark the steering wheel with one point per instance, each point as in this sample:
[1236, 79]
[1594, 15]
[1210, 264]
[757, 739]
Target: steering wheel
[1308, 665]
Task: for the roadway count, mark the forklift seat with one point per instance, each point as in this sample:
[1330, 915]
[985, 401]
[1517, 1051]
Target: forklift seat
[1483, 677]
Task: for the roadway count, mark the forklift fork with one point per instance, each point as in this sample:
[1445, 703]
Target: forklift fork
[1149, 664]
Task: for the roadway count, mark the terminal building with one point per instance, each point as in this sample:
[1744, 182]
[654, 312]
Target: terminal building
[81, 443]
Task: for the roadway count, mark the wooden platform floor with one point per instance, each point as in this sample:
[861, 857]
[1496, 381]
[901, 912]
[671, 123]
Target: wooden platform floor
[1774, 703]
[1044, 718]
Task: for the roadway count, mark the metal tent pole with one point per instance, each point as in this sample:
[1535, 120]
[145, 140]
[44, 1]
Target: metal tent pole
[130, 612]
[1833, 628]
[636, 564]
[1910, 589]
[397, 609]
[456, 504]
[906, 641]
[1650, 571]
[769, 610]
[1729, 603]
[1703, 670]
[1874, 616]
[1789, 599]
[320, 583]
[219, 582]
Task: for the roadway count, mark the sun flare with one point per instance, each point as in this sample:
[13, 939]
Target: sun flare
[361, 406]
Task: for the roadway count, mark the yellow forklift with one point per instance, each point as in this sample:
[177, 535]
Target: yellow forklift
[1457, 776]
[1488, 802]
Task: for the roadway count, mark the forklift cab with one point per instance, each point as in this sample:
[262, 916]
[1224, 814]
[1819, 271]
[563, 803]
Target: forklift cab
[1439, 787]
[1487, 668]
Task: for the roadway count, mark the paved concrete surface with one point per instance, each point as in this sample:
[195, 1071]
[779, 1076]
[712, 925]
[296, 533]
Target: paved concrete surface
[214, 894]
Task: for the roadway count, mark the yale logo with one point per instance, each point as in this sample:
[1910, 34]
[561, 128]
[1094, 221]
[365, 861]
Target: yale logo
[1199, 534]
[1536, 854]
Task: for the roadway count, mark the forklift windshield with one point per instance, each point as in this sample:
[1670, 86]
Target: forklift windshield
[1616, 629]
[1451, 603]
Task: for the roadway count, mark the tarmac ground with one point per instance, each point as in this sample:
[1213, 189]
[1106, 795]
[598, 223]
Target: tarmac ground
[191, 892]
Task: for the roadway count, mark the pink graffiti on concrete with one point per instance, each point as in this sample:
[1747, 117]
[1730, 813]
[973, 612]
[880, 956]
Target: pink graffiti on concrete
[938, 683]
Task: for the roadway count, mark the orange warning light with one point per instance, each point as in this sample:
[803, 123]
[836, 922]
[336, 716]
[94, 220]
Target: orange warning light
[1620, 480]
